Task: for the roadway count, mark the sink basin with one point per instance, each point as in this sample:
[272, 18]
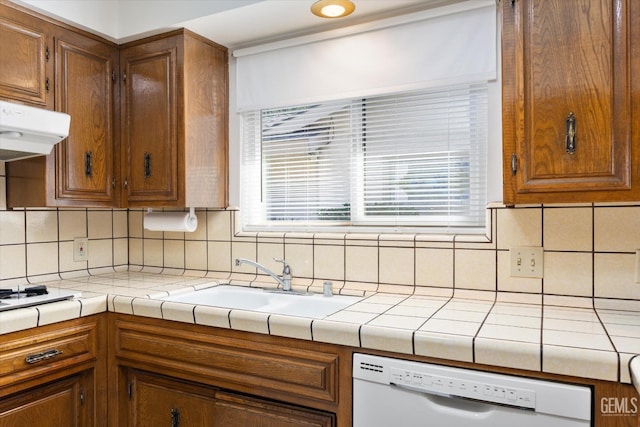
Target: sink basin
[315, 306]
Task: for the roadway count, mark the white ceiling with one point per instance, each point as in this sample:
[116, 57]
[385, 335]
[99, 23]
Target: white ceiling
[232, 23]
[272, 20]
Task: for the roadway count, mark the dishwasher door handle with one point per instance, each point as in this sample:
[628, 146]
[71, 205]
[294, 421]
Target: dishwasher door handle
[460, 406]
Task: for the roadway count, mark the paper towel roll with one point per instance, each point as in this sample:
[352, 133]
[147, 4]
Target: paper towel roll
[170, 221]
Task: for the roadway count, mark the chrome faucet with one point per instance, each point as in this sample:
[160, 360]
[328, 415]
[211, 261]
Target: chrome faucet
[284, 280]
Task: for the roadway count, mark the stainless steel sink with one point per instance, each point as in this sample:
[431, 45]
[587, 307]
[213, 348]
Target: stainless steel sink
[315, 306]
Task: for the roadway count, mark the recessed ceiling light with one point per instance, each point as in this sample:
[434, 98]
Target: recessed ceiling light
[332, 8]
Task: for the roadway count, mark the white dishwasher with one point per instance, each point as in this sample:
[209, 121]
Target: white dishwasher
[399, 393]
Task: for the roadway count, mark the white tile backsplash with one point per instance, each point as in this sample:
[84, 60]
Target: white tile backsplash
[568, 229]
[12, 227]
[42, 226]
[617, 229]
[73, 223]
[589, 250]
[519, 227]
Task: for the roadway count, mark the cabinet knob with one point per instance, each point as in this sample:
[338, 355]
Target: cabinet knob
[88, 164]
[147, 165]
[175, 417]
[570, 141]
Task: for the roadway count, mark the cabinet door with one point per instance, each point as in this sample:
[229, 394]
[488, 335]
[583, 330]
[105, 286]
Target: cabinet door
[85, 161]
[567, 119]
[23, 55]
[150, 134]
[61, 403]
[156, 400]
[234, 410]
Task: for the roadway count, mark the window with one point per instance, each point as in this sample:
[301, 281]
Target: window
[412, 159]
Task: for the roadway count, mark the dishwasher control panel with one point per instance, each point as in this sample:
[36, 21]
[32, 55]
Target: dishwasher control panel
[435, 383]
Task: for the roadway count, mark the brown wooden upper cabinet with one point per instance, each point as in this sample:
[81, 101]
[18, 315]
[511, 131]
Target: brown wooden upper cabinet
[148, 119]
[82, 169]
[571, 100]
[25, 58]
[174, 122]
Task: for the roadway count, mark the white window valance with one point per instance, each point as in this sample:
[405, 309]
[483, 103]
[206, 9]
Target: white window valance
[438, 47]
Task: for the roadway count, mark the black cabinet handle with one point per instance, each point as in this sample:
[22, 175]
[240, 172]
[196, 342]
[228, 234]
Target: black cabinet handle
[571, 134]
[147, 165]
[175, 417]
[88, 164]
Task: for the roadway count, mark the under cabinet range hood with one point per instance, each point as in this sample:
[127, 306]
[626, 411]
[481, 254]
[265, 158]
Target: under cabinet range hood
[28, 131]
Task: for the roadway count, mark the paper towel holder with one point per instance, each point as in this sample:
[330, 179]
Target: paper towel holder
[170, 221]
[192, 212]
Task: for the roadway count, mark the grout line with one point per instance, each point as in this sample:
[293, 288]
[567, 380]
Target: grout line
[610, 340]
[473, 340]
[542, 336]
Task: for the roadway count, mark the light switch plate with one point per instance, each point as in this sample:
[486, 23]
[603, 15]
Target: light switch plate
[80, 249]
[527, 261]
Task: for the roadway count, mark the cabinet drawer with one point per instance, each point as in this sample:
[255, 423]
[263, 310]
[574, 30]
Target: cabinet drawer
[36, 352]
[266, 366]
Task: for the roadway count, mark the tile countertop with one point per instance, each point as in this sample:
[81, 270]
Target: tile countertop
[507, 330]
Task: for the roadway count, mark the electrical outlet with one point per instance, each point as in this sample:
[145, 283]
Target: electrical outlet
[527, 262]
[637, 265]
[80, 249]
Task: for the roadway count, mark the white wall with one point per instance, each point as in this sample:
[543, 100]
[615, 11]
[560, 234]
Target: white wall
[124, 20]
[97, 16]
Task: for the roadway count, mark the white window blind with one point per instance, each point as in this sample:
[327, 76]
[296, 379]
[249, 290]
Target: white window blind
[413, 159]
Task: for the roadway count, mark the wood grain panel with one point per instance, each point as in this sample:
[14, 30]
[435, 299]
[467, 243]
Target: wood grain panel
[84, 91]
[80, 70]
[247, 363]
[52, 405]
[77, 344]
[23, 43]
[206, 123]
[150, 123]
[154, 397]
[559, 58]
[175, 110]
[239, 411]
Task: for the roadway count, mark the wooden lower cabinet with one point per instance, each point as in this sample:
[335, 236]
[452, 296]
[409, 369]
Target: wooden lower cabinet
[66, 402]
[55, 375]
[157, 400]
[163, 370]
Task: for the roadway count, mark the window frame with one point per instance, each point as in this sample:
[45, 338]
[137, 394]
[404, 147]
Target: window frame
[380, 224]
